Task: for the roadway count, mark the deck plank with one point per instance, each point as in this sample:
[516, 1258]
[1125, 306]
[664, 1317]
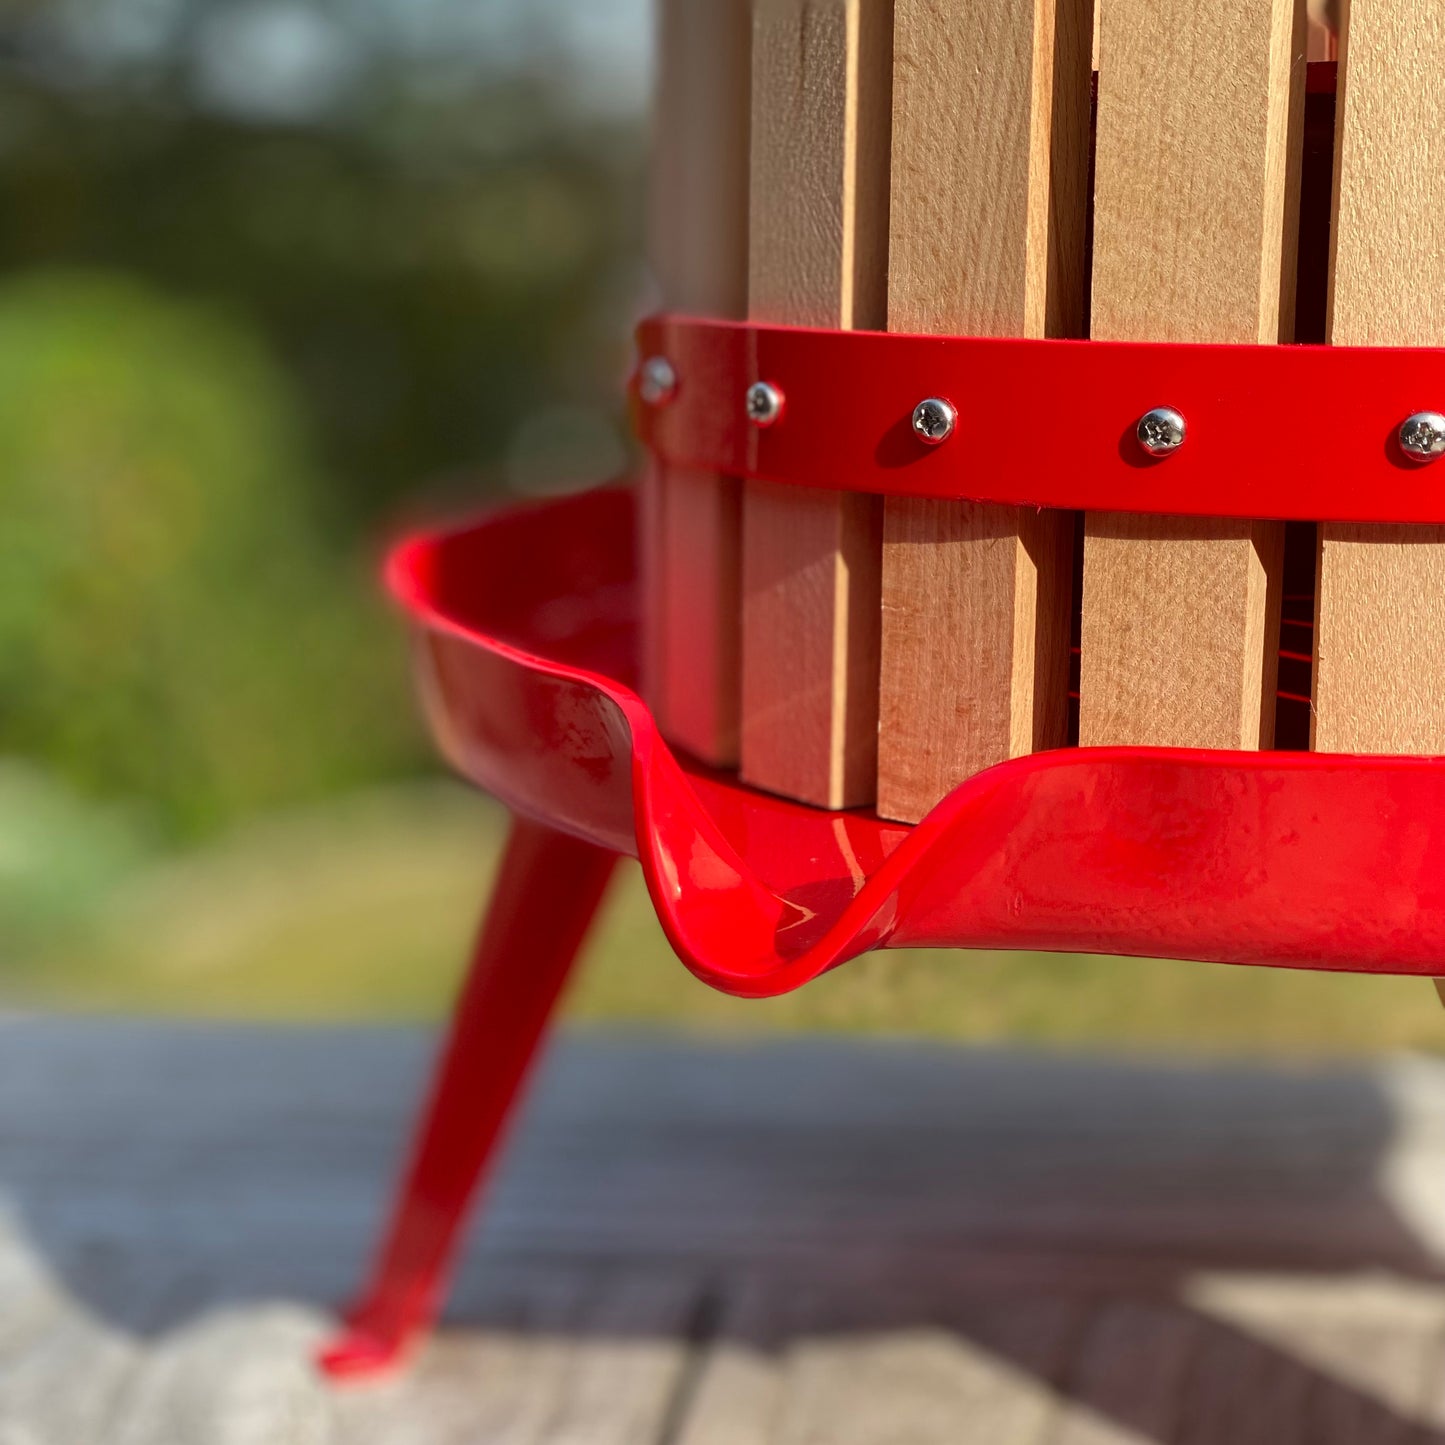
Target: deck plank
[566, 1356]
[916, 1374]
[1129, 1375]
[238, 1377]
[724, 1243]
[803, 1366]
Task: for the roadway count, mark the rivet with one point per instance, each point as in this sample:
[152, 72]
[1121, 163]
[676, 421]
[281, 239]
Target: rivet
[1422, 436]
[1161, 431]
[656, 381]
[764, 403]
[933, 421]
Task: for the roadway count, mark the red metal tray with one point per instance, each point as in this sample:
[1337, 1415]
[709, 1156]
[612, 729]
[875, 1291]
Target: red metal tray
[526, 630]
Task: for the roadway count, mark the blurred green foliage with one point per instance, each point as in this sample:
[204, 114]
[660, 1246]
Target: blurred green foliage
[428, 266]
[61, 857]
[174, 624]
[236, 350]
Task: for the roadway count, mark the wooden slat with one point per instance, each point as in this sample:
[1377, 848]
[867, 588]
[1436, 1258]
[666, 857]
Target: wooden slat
[821, 81]
[989, 181]
[1196, 215]
[698, 247]
[1380, 609]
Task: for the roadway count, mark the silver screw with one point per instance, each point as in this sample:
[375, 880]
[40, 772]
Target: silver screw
[656, 381]
[1422, 436]
[764, 403]
[933, 421]
[1161, 431]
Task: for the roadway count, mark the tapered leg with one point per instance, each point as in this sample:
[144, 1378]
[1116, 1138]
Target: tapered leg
[545, 896]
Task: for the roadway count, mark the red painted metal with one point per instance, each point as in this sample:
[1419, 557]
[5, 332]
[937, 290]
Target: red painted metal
[526, 642]
[544, 899]
[1290, 432]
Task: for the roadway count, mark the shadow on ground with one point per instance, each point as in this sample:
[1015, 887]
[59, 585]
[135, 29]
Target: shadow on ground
[1004, 1245]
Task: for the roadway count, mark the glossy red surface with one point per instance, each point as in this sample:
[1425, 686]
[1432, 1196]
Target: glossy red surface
[526, 652]
[1291, 432]
[542, 903]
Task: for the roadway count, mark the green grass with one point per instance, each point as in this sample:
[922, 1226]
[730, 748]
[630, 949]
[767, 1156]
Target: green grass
[363, 909]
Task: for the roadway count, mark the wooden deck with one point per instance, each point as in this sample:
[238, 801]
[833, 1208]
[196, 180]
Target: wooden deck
[693, 1243]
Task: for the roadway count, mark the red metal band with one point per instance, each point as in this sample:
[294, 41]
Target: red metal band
[1304, 433]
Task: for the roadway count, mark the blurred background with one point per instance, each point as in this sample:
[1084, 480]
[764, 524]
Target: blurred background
[278, 278]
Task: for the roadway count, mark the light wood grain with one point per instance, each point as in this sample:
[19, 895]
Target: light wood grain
[701, 613]
[989, 179]
[1380, 599]
[724, 1243]
[898, 1364]
[238, 1377]
[692, 520]
[1371, 1345]
[1196, 218]
[1130, 1374]
[68, 1387]
[1185, 602]
[501, 1381]
[740, 1386]
[799, 1362]
[821, 84]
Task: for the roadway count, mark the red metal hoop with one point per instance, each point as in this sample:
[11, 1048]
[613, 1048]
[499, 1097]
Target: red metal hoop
[1305, 433]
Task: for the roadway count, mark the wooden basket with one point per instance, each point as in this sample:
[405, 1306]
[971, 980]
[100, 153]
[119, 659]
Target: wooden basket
[937, 166]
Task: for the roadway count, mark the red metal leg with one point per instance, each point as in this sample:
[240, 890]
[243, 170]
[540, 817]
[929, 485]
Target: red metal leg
[545, 896]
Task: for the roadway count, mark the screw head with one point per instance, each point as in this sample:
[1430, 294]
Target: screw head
[1161, 431]
[656, 381]
[764, 403]
[933, 421]
[1422, 436]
